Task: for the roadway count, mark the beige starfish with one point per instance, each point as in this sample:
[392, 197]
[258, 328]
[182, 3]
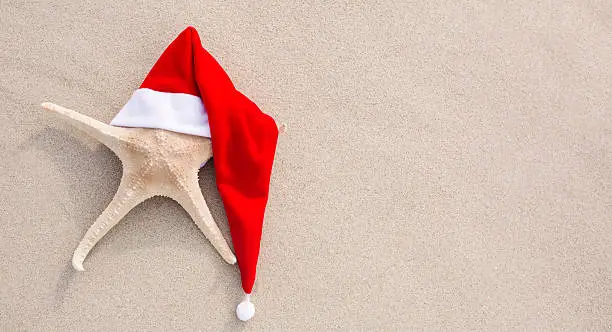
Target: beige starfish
[156, 162]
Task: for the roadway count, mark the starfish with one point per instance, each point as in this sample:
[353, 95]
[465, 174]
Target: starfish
[156, 162]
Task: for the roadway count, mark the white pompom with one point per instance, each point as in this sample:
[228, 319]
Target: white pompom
[245, 310]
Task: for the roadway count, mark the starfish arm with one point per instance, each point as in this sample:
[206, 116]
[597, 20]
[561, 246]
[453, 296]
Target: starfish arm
[106, 134]
[128, 195]
[191, 199]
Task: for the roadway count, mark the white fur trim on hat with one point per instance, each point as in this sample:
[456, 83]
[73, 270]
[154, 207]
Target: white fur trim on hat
[178, 112]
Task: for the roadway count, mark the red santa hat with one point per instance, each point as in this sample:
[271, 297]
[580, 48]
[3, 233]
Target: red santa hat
[187, 91]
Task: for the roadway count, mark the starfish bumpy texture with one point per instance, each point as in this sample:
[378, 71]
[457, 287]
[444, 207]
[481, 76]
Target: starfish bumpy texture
[156, 162]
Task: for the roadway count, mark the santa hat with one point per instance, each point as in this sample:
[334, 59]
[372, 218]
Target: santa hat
[187, 91]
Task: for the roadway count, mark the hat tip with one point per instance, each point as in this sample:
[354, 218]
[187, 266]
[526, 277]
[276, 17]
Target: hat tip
[245, 309]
